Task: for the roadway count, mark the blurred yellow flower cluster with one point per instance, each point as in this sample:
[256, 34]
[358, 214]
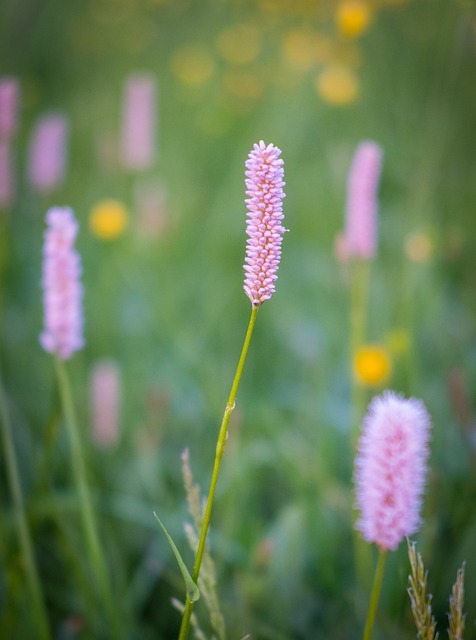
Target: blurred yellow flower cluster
[372, 365]
[353, 17]
[247, 53]
[108, 219]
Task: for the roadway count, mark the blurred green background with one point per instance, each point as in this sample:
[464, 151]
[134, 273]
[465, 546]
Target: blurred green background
[164, 300]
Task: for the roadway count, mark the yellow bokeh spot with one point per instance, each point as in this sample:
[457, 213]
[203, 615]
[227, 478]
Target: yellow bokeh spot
[372, 365]
[246, 86]
[193, 65]
[108, 219]
[419, 247]
[337, 85]
[239, 44]
[302, 48]
[353, 17]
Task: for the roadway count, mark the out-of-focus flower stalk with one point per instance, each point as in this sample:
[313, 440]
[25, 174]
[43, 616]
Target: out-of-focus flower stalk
[105, 389]
[37, 600]
[9, 97]
[62, 337]
[47, 153]
[138, 128]
[264, 184]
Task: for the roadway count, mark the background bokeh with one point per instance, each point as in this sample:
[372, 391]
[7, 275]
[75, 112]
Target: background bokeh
[164, 301]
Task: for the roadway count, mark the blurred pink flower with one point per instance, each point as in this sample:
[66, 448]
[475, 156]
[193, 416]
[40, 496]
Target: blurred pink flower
[9, 95]
[7, 187]
[63, 292]
[105, 395]
[264, 184]
[138, 122]
[47, 152]
[362, 207]
[390, 469]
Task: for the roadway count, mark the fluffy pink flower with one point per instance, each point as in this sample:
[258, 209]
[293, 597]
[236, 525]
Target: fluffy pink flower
[361, 210]
[138, 122]
[47, 153]
[9, 91]
[264, 184]
[105, 393]
[390, 469]
[62, 298]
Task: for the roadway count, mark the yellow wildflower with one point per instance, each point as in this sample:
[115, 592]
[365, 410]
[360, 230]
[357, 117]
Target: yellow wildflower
[353, 17]
[372, 365]
[337, 85]
[108, 219]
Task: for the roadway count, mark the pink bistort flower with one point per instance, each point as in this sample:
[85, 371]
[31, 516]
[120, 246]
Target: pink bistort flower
[138, 128]
[390, 469]
[361, 208]
[9, 94]
[105, 393]
[264, 184]
[47, 152]
[63, 292]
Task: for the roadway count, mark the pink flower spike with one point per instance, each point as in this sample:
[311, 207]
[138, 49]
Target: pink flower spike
[138, 129]
[361, 210]
[9, 94]
[390, 469]
[47, 153]
[264, 188]
[105, 393]
[63, 292]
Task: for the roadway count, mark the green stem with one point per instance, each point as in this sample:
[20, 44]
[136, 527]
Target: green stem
[358, 321]
[41, 620]
[222, 437]
[369, 624]
[85, 504]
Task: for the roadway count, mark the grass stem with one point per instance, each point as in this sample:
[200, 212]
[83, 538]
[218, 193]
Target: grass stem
[220, 447]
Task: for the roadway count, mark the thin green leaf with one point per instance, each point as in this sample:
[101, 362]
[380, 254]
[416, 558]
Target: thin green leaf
[192, 590]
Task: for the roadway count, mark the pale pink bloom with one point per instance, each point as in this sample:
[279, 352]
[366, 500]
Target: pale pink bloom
[105, 396]
[362, 206]
[138, 129]
[9, 93]
[47, 152]
[7, 187]
[264, 184]
[62, 289]
[390, 469]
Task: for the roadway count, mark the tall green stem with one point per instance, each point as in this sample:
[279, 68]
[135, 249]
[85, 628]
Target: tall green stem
[374, 598]
[96, 556]
[222, 437]
[34, 584]
[358, 321]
